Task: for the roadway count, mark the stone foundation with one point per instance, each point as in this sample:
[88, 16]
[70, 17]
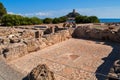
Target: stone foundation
[24, 42]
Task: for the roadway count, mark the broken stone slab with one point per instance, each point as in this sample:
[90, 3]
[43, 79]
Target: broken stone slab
[41, 72]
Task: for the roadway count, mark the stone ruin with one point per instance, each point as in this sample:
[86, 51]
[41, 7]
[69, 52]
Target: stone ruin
[108, 34]
[41, 72]
[17, 42]
[88, 32]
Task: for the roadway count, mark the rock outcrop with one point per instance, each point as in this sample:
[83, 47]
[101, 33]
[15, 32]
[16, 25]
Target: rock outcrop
[41, 72]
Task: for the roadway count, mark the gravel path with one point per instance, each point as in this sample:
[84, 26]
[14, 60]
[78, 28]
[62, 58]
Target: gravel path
[74, 59]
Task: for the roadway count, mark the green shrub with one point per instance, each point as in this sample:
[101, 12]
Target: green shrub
[16, 20]
[47, 20]
[56, 21]
[86, 19]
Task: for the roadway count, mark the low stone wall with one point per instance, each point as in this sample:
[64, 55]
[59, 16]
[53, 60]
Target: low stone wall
[93, 33]
[15, 50]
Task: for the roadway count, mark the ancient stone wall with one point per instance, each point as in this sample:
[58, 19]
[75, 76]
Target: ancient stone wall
[22, 46]
[94, 33]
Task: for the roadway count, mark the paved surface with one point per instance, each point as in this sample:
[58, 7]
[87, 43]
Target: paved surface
[74, 59]
[7, 73]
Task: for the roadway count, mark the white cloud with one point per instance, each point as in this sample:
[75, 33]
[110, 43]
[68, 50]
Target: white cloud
[38, 14]
[11, 13]
[101, 12]
[42, 14]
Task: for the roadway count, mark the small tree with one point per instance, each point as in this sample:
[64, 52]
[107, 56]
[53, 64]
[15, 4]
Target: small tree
[7, 20]
[2, 10]
[79, 19]
[56, 21]
[86, 19]
[93, 19]
[35, 20]
[47, 20]
[62, 19]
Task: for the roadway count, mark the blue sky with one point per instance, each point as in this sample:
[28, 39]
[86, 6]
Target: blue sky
[56, 8]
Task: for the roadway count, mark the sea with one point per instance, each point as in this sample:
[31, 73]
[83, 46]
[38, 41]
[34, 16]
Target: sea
[109, 20]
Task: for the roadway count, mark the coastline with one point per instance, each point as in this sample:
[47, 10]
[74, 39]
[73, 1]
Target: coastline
[109, 20]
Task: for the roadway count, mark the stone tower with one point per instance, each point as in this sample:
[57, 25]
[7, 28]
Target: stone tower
[73, 10]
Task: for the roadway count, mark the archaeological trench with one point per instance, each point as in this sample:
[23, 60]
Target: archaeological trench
[81, 53]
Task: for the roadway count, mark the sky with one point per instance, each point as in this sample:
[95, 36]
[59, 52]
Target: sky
[57, 8]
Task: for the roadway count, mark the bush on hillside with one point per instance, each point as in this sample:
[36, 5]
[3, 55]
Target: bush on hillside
[56, 21]
[2, 10]
[16, 20]
[47, 20]
[86, 19]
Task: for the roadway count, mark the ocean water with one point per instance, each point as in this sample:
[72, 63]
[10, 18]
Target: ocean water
[109, 20]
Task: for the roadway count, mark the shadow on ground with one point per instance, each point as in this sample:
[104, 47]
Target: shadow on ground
[25, 78]
[108, 61]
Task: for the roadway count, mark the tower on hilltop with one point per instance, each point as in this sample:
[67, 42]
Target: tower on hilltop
[74, 11]
[71, 16]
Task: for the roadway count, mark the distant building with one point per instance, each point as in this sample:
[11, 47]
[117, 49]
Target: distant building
[71, 16]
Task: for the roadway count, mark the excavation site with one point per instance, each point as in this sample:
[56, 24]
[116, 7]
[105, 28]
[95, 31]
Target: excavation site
[54, 52]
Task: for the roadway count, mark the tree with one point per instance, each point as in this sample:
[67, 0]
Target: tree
[47, 20]
[2, 10]
[16, 20]
[93, 19]
[79, 19]
[35, 20]
[86, 19]
[10, 20]
[26, 21]
[62, 19]
[56, 21]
